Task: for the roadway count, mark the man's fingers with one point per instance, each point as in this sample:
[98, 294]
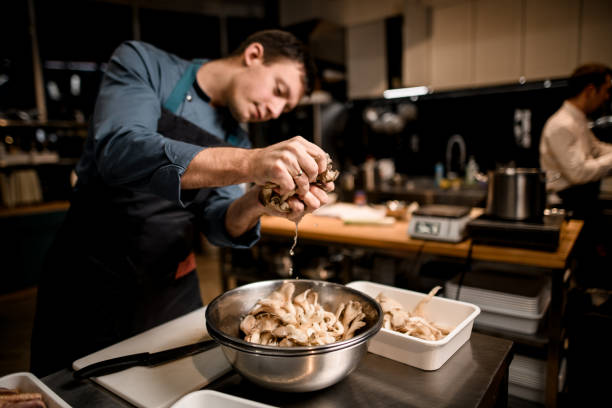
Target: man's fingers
[315, 160]
[302, 184]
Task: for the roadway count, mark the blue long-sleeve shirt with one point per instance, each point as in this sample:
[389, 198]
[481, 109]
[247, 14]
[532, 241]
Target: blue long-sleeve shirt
[124, 149]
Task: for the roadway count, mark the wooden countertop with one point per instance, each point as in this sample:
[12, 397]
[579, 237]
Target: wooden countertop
[395, 239]
[51, 206]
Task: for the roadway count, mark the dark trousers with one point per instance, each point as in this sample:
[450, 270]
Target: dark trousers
[594, 247]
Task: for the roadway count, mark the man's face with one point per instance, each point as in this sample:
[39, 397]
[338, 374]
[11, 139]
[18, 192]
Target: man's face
[600, 95]
[261, 92]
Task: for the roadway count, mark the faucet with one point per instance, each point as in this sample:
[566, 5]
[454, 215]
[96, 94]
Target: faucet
[455, 139]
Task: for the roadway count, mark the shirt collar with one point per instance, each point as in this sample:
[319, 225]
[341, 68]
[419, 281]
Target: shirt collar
[574, 112]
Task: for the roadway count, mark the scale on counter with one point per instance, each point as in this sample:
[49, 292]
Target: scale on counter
[439, 222]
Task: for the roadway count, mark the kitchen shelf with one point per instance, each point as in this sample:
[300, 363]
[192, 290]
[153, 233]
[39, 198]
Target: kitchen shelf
[538, 340]
[51, 206]
[60, 162]
[37, 123]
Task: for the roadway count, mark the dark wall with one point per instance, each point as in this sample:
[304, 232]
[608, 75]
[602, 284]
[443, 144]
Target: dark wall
[485, 118]
[77, 37]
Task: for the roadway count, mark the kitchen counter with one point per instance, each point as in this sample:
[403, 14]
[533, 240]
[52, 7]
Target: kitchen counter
[394, 240]
[475, 376]
[424, 191]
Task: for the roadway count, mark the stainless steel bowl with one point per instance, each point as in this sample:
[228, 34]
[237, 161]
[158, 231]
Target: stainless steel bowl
[294, 369]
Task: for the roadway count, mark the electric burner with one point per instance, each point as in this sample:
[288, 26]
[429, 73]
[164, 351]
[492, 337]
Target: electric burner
[542, 233]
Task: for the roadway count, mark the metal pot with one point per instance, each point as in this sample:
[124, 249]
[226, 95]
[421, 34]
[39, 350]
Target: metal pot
[293, 369]
[516, 193]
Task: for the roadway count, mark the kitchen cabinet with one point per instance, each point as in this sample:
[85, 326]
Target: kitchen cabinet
[490, 42]
[497, 41]
[45, 151]
[452, 47]
[366, 60]
[551, 38]
[596, 32]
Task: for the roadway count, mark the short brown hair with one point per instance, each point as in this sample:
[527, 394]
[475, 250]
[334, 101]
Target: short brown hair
[280, 44]
[588, 74]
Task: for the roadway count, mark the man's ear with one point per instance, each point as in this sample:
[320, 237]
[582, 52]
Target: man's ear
[253, 54]
[590, 90]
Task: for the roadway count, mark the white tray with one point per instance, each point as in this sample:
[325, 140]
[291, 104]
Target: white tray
[215, 399]
[509, 320]
[27, 382]
[423, 354]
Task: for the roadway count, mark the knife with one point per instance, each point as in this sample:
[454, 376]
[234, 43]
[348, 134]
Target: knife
[142, 359]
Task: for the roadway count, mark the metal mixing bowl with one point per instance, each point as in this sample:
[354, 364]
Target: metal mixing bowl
[294, 369]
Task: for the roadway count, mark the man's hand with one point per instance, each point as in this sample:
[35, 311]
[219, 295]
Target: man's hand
[243, 213]
[291, 164]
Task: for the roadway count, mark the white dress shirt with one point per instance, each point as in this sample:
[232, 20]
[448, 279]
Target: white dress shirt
[570, 153]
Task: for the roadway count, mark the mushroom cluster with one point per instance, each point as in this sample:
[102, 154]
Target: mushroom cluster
[271, 199]
[411, 323]
[14, 398]
[283, 320]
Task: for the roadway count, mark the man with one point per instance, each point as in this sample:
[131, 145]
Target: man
[575, 162]
[163, 162]
[574, 159]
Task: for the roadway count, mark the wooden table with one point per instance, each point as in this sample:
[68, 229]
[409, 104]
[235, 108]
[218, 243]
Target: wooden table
[394, 240]
[475, 376]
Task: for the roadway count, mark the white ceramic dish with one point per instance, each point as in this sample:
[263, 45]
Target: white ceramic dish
[215, 399]
[27, 382]
[423, 354]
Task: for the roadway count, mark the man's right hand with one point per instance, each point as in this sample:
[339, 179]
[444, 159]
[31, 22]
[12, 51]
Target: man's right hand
[291, 164]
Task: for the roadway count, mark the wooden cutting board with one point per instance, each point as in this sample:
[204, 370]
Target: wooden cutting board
[161, 386]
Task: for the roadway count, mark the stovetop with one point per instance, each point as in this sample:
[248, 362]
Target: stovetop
[542, 233]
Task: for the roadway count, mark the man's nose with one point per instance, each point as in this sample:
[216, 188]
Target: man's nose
[276, 107]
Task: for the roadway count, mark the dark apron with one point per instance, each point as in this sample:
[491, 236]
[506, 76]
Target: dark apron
[582, 200]
[113, 269]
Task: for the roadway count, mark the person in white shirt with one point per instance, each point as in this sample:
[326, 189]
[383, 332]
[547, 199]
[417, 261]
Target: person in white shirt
[574, 160]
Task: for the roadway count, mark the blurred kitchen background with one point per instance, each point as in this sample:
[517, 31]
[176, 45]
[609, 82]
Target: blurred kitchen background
[475, 81]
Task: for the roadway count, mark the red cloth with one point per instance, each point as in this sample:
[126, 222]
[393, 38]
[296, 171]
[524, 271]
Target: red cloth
[186, 266]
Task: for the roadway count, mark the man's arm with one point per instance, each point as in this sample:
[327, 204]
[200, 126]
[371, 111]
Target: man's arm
[600, 148]
[280, 164]
[575, 165]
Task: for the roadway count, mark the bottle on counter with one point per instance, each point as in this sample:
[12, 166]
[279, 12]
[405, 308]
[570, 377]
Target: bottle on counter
[369, 168]
[438, 173]
[471, 170]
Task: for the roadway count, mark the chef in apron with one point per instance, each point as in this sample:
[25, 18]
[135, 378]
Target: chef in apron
[164, 161]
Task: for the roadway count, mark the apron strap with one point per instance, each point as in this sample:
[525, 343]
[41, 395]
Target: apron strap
[178, 94]
[183, 85]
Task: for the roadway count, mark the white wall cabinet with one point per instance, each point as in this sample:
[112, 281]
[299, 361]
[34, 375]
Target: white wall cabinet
[452, 46]
[596, 32]
[366, 60]
[497, 41]
[490, 42]
[551, 38]
[460, 43]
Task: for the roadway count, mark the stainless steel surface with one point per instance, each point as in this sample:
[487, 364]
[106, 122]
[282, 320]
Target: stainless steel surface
[476, 376]
[516, 193]
[294, 369]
